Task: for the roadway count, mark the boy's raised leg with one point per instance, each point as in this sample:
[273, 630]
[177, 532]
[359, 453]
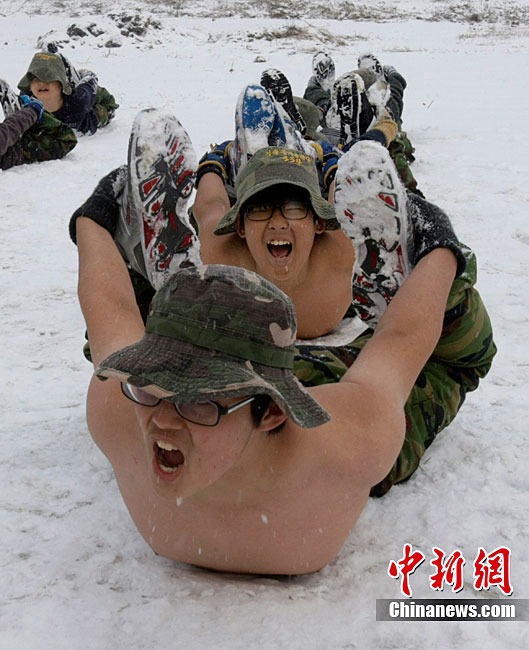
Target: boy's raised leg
[371, 206]
[154, 232]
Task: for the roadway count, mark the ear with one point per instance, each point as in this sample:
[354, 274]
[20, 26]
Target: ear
[320, 226]
[273, 417]
[239, 225]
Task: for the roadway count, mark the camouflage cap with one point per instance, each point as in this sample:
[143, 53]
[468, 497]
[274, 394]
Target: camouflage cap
[213, 332]
[272, 166]
[46, 67]
[311, 115]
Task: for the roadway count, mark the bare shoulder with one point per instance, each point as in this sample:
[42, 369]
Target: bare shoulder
[335, 241]
[225, 249]
[110, 416]
[363, 437]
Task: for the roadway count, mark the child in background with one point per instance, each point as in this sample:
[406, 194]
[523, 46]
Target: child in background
[73, 97]
[30, 134]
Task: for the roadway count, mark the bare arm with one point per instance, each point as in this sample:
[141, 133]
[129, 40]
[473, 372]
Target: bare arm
[408, 331]
[105, 292]
[211, 204]
[367, 406]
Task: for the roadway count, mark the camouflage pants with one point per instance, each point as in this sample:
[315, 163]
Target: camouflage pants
[50, 139]
[462, 357]
[401, 152]
[105, 106]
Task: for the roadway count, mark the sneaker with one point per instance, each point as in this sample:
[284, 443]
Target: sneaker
[355, 113]
[346, 104]
[9, 100]
[161, 173]
[48, 43]
[254, 121]
[369, 61]
[278, 86]
[323, 70]
[261, 122]
[73, 75]
[372, 208]
[378, 95]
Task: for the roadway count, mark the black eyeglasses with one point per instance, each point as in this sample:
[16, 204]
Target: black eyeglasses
[207, 413]
[291, 210]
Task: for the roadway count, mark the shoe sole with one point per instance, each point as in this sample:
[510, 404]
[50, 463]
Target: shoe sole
[254, 120]
[348, 103]
[275, 82]
[9, 100]
[371, 206]
[162, 166]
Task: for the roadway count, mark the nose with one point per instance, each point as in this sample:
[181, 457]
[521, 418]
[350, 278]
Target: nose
[277, 220]
[166, 416]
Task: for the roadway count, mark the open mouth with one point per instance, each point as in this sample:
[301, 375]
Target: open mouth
[168, 457]
[279, 248]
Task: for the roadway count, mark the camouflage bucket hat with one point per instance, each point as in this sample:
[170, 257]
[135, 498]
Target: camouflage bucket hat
[213, 332]
[272, 166]
[311, 115]
[46, 67]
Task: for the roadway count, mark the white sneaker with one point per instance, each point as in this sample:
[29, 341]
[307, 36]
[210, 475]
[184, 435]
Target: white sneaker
[372, 208]
[9, 100]
[161, 173]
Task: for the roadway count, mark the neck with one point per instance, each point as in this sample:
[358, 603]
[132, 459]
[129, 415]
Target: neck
[255, 473]
[53, 105]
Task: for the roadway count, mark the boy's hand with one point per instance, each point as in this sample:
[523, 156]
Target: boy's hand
[103, 204]
[34, 104]
[217, 161]
[432, 229]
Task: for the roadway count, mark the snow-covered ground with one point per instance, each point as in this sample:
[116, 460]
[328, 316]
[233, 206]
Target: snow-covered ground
[74, 571]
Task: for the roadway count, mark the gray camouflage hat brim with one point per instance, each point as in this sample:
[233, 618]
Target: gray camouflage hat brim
[183, 372]
[258, 174]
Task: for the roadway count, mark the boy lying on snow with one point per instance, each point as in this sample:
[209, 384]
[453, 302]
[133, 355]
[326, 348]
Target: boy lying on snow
[72, 96]
[203, 416]
[30, 134]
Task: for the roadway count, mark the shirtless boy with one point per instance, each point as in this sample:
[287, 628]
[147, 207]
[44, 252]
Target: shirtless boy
[275, 483]
[293, 253]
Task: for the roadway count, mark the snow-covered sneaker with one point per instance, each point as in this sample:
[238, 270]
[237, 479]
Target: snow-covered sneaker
[261, 122]
[372, 208]
[254, 120]
[324, 70]
[47, 42]
[73, 75]
[378, 95]
[369, 61]
[277, 85]
[355, 113]
[9, 100]
[161, 173]
[346, 105]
